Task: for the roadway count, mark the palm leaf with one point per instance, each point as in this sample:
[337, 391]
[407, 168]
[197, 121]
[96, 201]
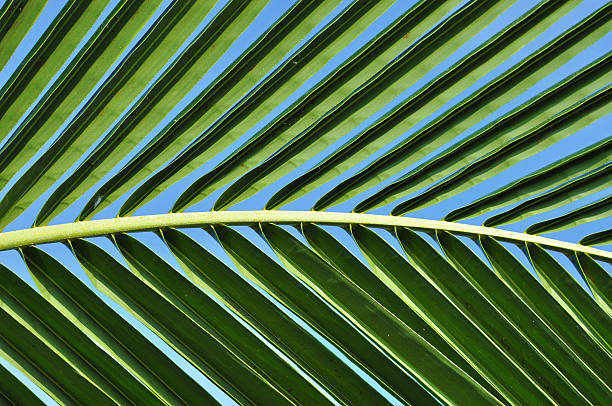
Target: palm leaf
[258, 117]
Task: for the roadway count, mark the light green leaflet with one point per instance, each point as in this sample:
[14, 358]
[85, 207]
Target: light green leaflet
[475, 107]
[172, 85]
[426, 100]
[54, 47]
[560, 126]
[578, 163]
[519, 122]
[16, 17]
[591, 212]
[575, 189]
[130, 76]
[225, 90]
[379, 90]
[328, 91]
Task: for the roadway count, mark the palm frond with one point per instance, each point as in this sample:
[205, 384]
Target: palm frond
[187, 154]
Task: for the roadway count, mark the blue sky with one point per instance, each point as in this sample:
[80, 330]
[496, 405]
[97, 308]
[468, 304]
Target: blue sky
[593, 133]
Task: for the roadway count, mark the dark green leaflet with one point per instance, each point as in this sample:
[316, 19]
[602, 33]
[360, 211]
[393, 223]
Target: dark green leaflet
[212, 275]
[529, 289]
[344, 261]
[543, 372]
[45, 367]
[88, 312]
[272, 277]
[23, 310]
[219, 345]
[14, 392]
[576, 373]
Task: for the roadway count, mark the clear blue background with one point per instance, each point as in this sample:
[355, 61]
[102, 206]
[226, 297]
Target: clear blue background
[593, 133]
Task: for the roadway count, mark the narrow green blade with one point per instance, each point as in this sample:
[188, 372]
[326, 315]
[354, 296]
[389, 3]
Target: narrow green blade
[575, 189]
[72, 343]
[197, 342]
[493, 323]
[14, 392]
[598, 279]
[571, 296]
[420, 293]
[174, 287]
[406, 347]
[272, 277]
[270, 321]
[86, 310]
[575, 373]
[256, 105]
[45, 367]
[345, 262]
